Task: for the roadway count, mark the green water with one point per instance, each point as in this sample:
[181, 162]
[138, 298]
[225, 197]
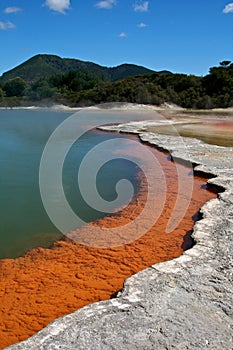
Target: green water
[24, 222]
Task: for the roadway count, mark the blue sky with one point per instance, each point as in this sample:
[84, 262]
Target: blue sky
[178, 35]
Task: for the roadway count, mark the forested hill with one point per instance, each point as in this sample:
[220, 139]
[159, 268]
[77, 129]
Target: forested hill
[44, 66]
[46, 80]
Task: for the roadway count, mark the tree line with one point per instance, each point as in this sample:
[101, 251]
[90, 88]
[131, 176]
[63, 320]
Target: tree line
[85, 88]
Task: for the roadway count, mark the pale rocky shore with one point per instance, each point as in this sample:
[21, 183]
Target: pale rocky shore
[185, 303]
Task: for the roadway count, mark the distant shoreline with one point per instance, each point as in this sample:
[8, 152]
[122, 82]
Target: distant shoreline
[122, 107]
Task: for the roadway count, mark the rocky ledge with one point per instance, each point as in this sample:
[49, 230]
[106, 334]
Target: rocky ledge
[181, 304]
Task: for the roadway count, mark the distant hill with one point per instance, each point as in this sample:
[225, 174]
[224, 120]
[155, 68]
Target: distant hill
[46, 80]
[41, 66]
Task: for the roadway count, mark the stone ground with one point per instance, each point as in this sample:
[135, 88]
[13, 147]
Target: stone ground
[185, 303]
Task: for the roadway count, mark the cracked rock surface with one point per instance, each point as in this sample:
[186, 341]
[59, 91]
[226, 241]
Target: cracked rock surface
[181, 304]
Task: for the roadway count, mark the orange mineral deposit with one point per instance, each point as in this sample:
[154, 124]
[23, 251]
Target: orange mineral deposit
[47, 283]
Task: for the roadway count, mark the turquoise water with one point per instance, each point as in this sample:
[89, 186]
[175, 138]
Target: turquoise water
[24, 222]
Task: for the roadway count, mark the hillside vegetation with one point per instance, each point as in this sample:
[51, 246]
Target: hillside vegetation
[46, 79]
[45, 66]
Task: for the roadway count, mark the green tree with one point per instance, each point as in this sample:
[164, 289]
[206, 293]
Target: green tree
[41, 90]
[218, 84]
[1, 94]
[14, 87]
[142, 95]
[225, 63]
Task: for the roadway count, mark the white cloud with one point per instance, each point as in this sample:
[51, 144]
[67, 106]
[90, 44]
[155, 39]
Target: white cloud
[6, 25]
[228, 8]
[122, 35]
[142, 6]
[106, 4]
[12, 9]
[141, 25]
[58, 5]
